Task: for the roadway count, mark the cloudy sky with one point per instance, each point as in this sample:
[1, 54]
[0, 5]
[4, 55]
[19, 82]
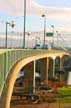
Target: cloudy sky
[58, 13]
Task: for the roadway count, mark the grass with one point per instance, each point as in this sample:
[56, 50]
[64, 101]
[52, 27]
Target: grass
[63, 100]
[65, 91]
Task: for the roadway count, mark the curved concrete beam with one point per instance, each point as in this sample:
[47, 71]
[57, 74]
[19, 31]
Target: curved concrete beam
[14, 72]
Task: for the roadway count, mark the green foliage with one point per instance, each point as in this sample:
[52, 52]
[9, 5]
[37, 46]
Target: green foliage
[63, 100]
[65, 91]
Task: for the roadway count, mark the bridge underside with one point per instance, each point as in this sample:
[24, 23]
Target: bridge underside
[28, 64]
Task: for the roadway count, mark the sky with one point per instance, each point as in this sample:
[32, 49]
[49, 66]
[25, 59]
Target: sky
[6, 17]
[56, 3]
[58, 13]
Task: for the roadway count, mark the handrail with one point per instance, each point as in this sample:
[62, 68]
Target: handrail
[8, 57]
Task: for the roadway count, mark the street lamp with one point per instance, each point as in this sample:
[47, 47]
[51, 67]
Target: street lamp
[57, 36]
[12, 24]
[44, 29]
[11, 37]
[36, 39]
[24, 23]
[53, 34]
[20, 39]
[29, 33]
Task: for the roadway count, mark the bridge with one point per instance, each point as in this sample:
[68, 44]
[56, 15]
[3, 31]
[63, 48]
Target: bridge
[13, 60]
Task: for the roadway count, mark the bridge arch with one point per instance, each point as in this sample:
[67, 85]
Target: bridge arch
[14, 72]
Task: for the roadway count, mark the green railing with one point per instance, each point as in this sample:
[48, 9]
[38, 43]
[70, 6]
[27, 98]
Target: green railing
[9, 57]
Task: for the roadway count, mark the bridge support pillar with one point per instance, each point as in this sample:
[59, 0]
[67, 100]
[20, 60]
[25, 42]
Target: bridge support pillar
[61, 63]
[62, 76]
[44, 69]
[29, 77]
[51, 68]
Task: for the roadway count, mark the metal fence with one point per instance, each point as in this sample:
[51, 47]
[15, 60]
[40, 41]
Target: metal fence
[8, 57]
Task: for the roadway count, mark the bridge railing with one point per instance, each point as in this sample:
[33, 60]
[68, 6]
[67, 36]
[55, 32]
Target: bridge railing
[9, 57]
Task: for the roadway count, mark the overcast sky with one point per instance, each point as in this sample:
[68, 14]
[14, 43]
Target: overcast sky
[58, 13]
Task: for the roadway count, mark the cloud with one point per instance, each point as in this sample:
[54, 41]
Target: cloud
[16, 7]
[13, 7]
[51, 12]
[57, 14]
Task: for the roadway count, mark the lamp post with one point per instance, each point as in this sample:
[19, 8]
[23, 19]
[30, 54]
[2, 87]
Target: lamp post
[24, 23]
[36, 39]
[28, 33]
[53, 34]
[12, 24]
[35, 42]
[44, 29]
[57, 36]
[11, 37]
[20, 39]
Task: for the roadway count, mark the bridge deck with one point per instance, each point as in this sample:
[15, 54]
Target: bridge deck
[8, 57]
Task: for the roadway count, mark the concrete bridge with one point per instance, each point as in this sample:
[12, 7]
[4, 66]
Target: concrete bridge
[13, 60]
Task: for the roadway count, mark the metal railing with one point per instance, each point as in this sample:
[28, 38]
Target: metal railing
[9, 57]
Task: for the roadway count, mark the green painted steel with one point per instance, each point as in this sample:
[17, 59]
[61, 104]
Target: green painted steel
[8, 57]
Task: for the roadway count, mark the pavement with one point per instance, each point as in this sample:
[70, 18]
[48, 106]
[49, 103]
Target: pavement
[44, 105]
